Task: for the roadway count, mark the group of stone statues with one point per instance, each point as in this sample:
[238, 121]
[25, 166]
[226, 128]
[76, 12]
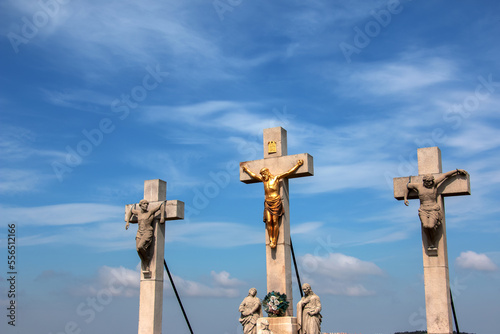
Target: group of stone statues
[308, 313]
[309, 307]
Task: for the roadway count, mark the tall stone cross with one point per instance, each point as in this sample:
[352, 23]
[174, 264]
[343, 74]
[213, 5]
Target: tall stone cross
[278, 259]
[151, 287]
[436, 274]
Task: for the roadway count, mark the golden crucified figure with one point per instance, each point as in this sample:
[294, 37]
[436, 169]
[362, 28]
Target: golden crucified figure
[273, 207]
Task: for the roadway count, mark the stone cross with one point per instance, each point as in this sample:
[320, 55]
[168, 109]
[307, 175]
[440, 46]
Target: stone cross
[278, 259]
[151, 287]
[436, 274]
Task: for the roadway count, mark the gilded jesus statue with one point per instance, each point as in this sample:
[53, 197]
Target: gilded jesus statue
[273, 206]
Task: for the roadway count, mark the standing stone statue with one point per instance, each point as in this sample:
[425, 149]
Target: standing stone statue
[273, 208]
[308, 308]
[250, 311]
[430, 212]
[145, 230]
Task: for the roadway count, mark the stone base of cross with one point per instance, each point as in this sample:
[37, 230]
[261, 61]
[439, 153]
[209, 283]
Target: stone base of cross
[151, 286]
[436, 273]
[278, 259]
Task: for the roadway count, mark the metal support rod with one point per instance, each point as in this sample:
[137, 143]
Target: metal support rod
[454, 313]
[296, 269]
[177, 295]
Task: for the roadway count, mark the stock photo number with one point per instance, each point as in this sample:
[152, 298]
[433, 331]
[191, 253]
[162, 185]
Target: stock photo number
[11, 274]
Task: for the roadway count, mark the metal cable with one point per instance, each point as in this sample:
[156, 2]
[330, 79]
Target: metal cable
[177, 295]
[296, 269]
[454, 313]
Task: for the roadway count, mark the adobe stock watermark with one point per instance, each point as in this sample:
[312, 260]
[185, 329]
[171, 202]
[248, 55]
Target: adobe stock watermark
[30, 26]
[458, 112]
[121, 108]
[220, 179]
[455, 114]
[223, 6]
[363, 37]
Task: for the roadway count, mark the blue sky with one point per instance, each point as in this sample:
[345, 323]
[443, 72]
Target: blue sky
[97, 97]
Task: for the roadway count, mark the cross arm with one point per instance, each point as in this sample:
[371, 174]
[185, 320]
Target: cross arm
[174, 210]
[278, 165]
[455, 186]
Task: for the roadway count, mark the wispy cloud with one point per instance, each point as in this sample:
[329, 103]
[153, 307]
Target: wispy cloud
[475, 138]
[120, 281]
[338, 274]
[475, 261]
[214, 234]
[407, 76]
[233, 116]
[62, 214]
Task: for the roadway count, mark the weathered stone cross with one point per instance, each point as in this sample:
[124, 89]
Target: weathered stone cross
[436, 274]
[278, 259]
[151, 288]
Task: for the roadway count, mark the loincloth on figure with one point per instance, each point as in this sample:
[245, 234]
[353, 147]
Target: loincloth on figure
[434, 215]
[273, 206]
[144, 238]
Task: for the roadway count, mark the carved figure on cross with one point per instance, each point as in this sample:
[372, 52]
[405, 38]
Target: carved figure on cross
[145, 231]
[430, 212]
[273, 206]
[150, 215]
[431, 186]
[277, 168]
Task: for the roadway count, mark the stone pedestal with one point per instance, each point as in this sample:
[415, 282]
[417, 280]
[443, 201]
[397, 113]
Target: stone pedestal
[281, 325]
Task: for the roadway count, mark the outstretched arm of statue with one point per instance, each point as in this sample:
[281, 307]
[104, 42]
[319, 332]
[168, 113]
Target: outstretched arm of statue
[152, 211]
[292, 170]
[128, 217]
[451, 173]
[252, 174]
[409, 186]
[134, 210]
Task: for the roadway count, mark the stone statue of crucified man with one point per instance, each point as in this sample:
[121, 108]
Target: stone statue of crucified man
[273, 208]
[145, 230]
[430, 212]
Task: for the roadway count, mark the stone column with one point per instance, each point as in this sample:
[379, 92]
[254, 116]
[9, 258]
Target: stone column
[436, 272]
[151, 288]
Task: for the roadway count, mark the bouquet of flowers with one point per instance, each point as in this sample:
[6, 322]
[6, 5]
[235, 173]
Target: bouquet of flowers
[275, 304]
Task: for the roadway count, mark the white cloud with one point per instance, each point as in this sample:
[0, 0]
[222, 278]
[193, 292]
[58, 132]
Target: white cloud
[62, 214]
[223, 279]
[214, 235]
[196, 289]
[338, 274]
[20, 180]
[405, 76]
[476, 138]
[234, 116]
[475, 261]
[120, 281]
[305, 227]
